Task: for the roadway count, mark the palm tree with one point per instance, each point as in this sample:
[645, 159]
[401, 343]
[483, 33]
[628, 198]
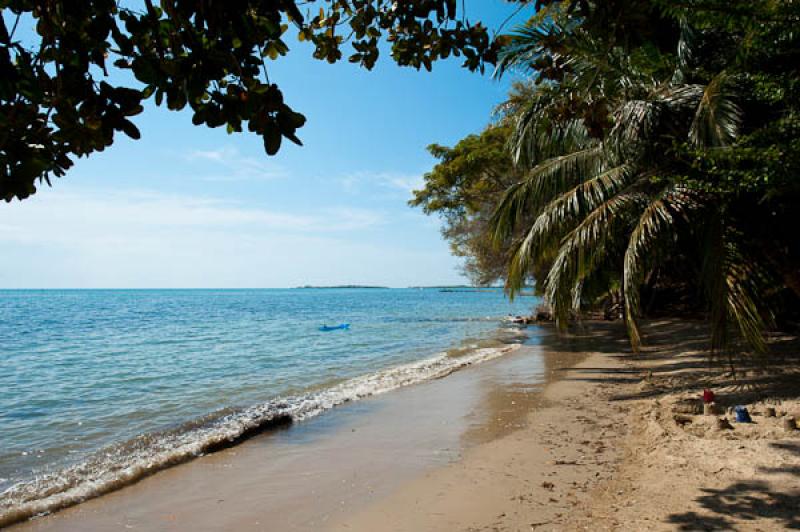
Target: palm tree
[606, 184]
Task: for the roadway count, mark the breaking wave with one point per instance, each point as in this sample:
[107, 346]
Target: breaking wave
[124, 463]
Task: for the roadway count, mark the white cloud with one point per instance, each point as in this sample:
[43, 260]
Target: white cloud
[350, 218]
[56, 215]
[396, 181]
[140, 238]
[406, 183]
[208, 155]
[147, 239]
[227, 163]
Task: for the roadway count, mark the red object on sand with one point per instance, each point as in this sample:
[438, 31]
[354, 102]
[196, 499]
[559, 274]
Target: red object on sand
[708, 396]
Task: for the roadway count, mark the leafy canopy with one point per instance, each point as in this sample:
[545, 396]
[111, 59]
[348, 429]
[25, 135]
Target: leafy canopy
[655, 149]
[57, 100]
[658, 131]
[463, 189]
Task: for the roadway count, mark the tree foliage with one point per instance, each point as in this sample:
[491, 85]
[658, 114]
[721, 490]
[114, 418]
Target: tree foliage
[658, 130]
[60, 96]
[463, 189]
[655, 144]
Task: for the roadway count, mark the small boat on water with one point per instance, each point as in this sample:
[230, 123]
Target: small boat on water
[328, 328]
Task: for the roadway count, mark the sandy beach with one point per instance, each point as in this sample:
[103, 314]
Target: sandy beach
[606, 451]
[488, 266]
[572, 434]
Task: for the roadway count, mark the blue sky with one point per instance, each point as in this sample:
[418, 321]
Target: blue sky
[189, 206]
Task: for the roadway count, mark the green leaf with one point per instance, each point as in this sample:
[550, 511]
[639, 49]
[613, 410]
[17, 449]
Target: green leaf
[127, 127]
[272, 140]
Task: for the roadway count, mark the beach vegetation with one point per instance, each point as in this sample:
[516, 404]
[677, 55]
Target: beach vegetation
[657, 148]
[463, 189]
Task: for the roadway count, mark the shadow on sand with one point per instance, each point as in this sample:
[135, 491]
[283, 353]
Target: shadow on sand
[749, 500]
[680, 349]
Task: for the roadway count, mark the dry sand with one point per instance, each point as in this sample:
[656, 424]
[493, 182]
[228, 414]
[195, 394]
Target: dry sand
[607, 451]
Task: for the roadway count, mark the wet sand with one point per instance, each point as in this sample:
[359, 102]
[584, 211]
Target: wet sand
[315, 473]
[541, 474]
[609, 448]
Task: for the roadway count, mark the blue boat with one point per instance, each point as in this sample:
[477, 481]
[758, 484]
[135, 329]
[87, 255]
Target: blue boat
[327, 328]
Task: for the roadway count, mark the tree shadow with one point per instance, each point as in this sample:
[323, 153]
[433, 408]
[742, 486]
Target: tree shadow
[787, 446]
[694, 521]
[738, 390]
[744, 501]
[680, 349]
[598, 337]
[748, 501]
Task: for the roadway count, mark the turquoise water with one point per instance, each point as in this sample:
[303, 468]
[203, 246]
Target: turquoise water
[104, 385]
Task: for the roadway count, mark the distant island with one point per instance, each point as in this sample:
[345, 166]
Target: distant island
[349, 286]
[472, 289]
[469, 288]
[455, 287]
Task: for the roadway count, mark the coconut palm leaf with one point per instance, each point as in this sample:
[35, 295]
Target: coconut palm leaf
[546, 180]
[679, 98]
[575, 203]
[735, 284]
[604, 135]
[582, 249]
[634, 122]
[654, 227]
[746, 283]
[536, 138]
[528, 44]
[685, 51]
[718, 118]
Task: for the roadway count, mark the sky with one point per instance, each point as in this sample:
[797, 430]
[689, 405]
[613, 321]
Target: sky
[192, 207]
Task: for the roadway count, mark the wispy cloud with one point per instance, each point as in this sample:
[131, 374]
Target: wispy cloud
[227, 163]
[407, 183]
[66, 215]
[395, 181]
[141, 238]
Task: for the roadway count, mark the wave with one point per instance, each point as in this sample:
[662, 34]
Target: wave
[125, 463]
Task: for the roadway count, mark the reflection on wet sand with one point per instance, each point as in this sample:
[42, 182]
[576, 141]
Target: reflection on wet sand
[302, 477]
[509, 391]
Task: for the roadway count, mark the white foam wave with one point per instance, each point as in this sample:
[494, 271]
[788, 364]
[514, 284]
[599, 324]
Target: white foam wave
[127, 462]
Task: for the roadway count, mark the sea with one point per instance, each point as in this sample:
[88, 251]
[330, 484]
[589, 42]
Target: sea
[99, 388]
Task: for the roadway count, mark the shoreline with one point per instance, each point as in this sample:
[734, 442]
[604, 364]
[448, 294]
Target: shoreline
[105, 472]
[424, 373]
[533, 477]
[595, 446]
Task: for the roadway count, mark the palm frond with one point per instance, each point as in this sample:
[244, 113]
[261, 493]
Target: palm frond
[543, 182]
[576, 202]
[679, 98]
[581, 250]
[655, 224]
[685, 50]
[528, 44]
[714, 285]
[535, 138]
[538, 137]
[634, 122]
[735, 284]
[718, 117]
[746, 283]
